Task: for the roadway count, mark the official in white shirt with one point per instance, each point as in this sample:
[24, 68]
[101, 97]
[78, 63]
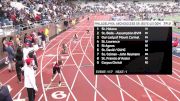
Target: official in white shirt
[29, 79]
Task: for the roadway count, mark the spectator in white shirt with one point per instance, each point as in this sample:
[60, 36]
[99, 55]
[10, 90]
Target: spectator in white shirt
[29, 79]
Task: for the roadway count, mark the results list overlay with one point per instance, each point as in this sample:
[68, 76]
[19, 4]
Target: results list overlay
[133, 47]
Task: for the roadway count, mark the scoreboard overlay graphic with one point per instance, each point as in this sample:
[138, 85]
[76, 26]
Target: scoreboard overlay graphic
[133, 47]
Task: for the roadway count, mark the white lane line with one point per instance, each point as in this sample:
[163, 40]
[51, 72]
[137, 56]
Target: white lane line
[69, 87]
[173, 78]
[144, 88]
[57, 55]
[121, 88]
[119, 84]
[177, 64]
[86, 78]
[90, 82]
[162, 83]
[69, 65]
[2, 70]
[95, 94]
[42, 82]
[177, 70]
[176, 75]
[147, 88]
[62, 76]
[66, 80]
[49, 83]
[168, 88]
[77, 53]
[84, 52]
[75, 64]
[40, 97]
[91, 39]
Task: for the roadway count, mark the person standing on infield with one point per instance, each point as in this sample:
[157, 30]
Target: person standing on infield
[29, 79]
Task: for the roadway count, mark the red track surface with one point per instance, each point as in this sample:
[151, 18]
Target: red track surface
[79, 82]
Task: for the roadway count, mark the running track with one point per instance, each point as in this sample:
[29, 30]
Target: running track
[78, 80]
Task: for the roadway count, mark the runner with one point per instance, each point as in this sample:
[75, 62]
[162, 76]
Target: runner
[56, 69]
[87, 31]
[88, 18]
[64, 47]
[75, 38]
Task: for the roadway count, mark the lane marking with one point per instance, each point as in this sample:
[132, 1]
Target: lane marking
[50, 55]
[19, 96]
[75, 64]
[87, 79]
[122, 97]
[162, 83]
[44, 92]
[168, 88]
[144, 88]
[40, 97]
[121, 88]
[95, 94]
[58, 95]
[64, 77]
[174, 78]
[177, 75]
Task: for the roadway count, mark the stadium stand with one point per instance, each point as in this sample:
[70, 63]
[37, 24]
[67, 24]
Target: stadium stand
[20, 17]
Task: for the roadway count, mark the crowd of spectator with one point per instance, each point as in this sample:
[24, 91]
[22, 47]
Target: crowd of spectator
[32, 11]
[143, 10]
